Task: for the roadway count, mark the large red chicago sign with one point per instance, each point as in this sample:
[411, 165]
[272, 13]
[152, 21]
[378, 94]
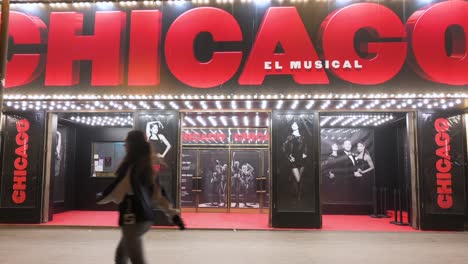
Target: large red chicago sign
[423, 40]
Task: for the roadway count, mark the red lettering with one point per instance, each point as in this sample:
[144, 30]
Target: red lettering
[21, 163]
[24, 68]
[443, 152]
[18, 197]
[442, 139]
[145, 35]
[444, 186]
[444, 176]
[441, 125]
[443, 165]
[22, 151]
[19, 183]
[22, 125]
[20, 173]
[281, 25]
[427, 28]
[179, 51]
[445, 201]
[383, 59]
[222, 136]
[22, 139]
[67, 47]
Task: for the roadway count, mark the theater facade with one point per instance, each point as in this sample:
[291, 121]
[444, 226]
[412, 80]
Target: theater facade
[294, 109]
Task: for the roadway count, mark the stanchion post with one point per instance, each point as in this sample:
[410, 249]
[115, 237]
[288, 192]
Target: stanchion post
[385, 203]
[382, 213]
[375, 203]
[395, 212]
[400, 206]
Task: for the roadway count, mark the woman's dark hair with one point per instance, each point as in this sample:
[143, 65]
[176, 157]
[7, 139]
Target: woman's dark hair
[365, 147]
[138, 154]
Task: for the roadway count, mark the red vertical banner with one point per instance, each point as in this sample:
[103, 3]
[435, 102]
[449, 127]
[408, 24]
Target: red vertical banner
[443, 164]
[22, 173]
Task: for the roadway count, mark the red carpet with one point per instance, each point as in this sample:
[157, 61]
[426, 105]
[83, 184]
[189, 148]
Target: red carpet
[233, 221]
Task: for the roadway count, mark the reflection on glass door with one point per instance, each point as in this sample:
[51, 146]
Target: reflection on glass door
[245, 169]
[224, 178]
[212, 168]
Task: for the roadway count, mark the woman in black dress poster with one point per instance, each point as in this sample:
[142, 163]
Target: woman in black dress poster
[295, 150]
[364, 161]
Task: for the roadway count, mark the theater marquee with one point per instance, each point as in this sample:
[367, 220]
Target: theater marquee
[186, 49]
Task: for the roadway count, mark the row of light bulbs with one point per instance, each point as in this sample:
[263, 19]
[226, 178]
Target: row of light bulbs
[66, 4]
[230, 132]
[104, 120]
[236, 105]
[233, 121]
[326, 132]
[330, 96]
[356, 120]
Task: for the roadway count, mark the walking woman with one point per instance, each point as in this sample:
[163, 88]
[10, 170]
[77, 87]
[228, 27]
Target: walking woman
[136, 191]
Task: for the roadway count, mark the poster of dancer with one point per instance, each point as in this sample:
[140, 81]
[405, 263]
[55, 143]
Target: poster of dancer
[161, 130]
[294, 162]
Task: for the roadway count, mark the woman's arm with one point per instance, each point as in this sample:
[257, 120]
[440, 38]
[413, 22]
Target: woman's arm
[148, 130]
[249, 168]
[369, 161]
[166, 142]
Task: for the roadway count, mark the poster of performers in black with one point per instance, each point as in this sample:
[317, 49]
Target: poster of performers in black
[213, 168]
[348, 168]
[245, 168]
[295, 184]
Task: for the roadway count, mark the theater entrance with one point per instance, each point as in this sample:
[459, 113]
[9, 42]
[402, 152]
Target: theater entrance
[225, 163]
[367, 168]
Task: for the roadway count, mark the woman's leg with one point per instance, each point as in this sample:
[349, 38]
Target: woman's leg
[297, 180]
[121, 256]
[301, 171]
[132, 236]
[297, 174]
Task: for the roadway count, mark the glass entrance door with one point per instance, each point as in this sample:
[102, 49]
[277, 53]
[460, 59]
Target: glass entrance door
[225, 179]
[225, 162]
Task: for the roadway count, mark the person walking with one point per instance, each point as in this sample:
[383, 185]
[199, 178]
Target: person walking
[137, 192]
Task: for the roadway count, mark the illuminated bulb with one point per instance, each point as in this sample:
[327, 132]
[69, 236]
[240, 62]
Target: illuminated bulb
[224, 121]
[204, 105]
[310, 104]
[279, 104]
[234, 121]
[188, 105]
[248, 104]
[294, 104]
[233, 105]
